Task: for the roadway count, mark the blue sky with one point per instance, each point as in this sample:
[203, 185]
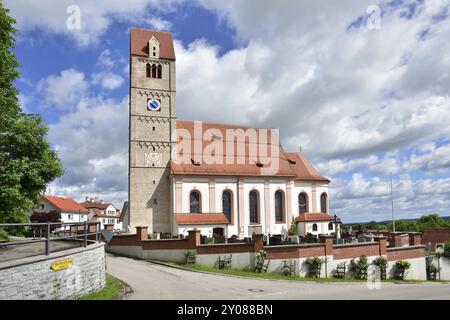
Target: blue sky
[360, 101]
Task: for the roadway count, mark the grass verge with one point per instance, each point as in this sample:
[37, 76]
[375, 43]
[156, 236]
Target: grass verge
[114, 287]
[274, 276]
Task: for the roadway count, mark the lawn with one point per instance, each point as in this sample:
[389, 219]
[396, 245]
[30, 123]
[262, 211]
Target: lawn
[271, 275]
[110, 292]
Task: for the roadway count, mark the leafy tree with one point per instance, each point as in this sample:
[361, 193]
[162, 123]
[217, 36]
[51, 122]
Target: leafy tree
[27, 164]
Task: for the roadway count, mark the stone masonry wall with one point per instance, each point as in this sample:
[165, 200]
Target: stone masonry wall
[32, 279]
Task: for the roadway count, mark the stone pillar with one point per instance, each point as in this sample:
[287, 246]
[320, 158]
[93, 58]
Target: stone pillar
[267, 206]
[142, 233]
[178, 196]
[241, 225]
[194, 238]
[289, 204]
[328, 241]
[314, 197]
[212, 195]
[396, 239]
[415, 239]
[382, 242]
[258, 240]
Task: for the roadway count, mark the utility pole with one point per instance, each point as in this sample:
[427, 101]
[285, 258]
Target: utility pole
[392, 203]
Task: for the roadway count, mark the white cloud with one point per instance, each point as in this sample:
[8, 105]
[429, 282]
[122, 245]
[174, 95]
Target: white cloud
[108, 80]
[96, 16]
[160, 24]
[63, 90]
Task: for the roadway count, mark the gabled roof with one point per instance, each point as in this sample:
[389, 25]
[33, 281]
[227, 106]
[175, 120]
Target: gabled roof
[319, 216]
[294, 165]
[200, 218]
[65, 204]
[139, 43]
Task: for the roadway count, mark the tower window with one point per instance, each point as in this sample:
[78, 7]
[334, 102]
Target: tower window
[159, 76]
[154, 128]
[154, 54]
[154, 69]
[155, 201]
[154, 181]
[148, 70]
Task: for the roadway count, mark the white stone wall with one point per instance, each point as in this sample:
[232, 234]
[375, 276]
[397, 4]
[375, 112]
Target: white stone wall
[242, 261]
[32, 279]
[444, 264]
[418, 270]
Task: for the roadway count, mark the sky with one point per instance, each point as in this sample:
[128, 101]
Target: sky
[361, 87]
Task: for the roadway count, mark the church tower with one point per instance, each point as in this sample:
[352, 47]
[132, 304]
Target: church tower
[151, 123]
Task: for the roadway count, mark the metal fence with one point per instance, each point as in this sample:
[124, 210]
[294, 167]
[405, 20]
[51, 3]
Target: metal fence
[49, 236]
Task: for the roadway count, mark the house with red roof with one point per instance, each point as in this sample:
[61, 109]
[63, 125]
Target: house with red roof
[69, 209]
[105, 213]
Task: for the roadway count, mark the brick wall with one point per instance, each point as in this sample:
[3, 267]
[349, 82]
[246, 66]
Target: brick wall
[404, 253]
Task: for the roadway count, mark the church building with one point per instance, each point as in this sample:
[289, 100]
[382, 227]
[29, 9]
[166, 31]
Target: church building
[219, 178]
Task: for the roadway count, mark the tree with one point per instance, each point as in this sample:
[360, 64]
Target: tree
[293, 228]
[27, 164]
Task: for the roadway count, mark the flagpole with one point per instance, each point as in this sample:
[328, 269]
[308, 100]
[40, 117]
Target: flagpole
[392, 203]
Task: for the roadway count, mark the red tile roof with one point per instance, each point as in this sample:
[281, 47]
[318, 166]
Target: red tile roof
[65, 204]
[139, 43]
[306, 217]
[291, 164]
[200, 218]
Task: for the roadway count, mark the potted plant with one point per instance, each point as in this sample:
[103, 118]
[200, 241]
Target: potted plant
[401, 266]
[359, 267]
[381, 263]
[314, 266]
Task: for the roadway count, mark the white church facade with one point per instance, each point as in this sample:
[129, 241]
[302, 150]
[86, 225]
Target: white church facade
[221, 179]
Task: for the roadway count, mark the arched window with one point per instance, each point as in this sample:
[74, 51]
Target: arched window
[302, 203]
[195, 202]
[154, 70]
[279, 206]
[227, 204]
[148, 70]
[330, 226]
[254, 206]
[159, 72]
[323, 203]
[315, 227]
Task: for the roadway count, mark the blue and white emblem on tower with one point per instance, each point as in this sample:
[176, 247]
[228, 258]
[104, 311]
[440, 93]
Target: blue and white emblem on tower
[153, 105]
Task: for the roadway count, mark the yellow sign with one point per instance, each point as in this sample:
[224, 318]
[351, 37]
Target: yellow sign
[62, 264]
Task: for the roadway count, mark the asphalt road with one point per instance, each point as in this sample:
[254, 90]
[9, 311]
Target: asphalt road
[153, 281]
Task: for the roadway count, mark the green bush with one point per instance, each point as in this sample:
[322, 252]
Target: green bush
[293, 229]
[403, 264]
[315, 265]
[447, 249]
[359, 267]
[3, 235]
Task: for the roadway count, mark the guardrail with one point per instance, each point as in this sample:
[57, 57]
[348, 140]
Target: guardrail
[47, 227]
